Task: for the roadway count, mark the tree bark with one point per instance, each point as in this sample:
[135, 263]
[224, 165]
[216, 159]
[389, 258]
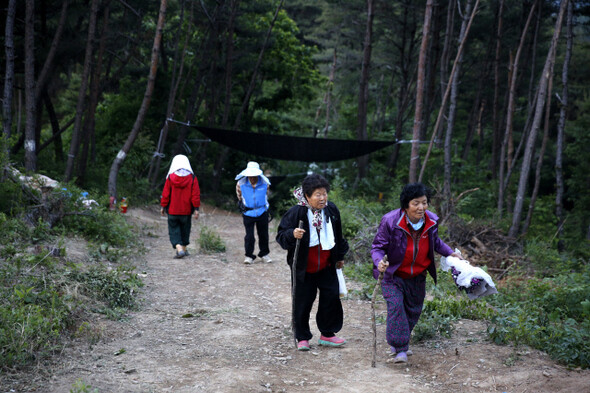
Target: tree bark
[118, 161]
[453, 113]
[59, 154]
[30, 148]
[535, 193]
[8, 79]
[49, 60]
[174, 83]
[542, 91]
[563, 113]
[496, 134]
[510, 111]
[246, 102]
[363, 99]
[77, 131]
[446, 95]
[415, 153]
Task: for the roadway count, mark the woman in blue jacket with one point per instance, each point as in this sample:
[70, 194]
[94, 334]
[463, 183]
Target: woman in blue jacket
[252, 190]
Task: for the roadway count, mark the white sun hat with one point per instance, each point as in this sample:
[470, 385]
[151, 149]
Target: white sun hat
[252, 169]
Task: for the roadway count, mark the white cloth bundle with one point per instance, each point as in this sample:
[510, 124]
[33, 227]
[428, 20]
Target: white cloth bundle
[341, 283]
[474, 280]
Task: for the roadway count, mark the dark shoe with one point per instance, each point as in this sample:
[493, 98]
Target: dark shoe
[179, 254]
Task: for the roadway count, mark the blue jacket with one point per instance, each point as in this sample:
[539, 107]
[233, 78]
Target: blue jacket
[255, 198]
[392, 240]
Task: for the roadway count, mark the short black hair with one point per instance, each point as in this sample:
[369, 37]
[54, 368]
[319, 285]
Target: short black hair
[313, 182]
[412, 191]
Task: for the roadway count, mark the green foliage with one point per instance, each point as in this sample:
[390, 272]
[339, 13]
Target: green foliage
[81, 387]
[210, 241]
[115, 287]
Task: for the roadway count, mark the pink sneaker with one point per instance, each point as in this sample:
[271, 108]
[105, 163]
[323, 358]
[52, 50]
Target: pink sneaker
[303, 345]
[331, 341]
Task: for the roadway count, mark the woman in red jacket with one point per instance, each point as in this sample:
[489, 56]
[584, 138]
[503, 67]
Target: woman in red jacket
[181, 198]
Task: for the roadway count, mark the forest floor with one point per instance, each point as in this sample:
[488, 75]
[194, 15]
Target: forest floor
[209, 323]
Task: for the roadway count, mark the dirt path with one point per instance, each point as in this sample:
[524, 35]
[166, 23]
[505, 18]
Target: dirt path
[239, 339]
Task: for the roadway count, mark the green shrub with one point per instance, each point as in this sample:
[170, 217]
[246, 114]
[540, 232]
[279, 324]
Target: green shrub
[210, 241]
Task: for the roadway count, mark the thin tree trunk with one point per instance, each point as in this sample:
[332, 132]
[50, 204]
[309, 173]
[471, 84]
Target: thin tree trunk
[93, 99]
[246, 102]
[174, 83]
[327, 101]
[510, 111]
[8, 79]
[446, 95]
[59, 153]
[526, 162]
[563, 112]
[415, 153]
[49, 60]
[77, 132]
[496, 140]
[118, 161]
[453, 113]
[363, 100]
[535, 193]
[30, 148]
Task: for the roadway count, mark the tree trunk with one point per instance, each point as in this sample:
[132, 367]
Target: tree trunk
[93, 100]
[246, 102]
[8, 80]
[563, 113]
[77, 131]
[542, 91]
[496, 136]
[510, 111]
[49, 60]
[59, 153]
[174, 83]
[447, 92]
[453, 113]
[415, 153]
[118, 161]
[535, 193]
[363, 100]
[30, 148]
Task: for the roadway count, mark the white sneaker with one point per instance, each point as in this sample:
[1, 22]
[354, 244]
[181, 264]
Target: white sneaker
[248, 260]
[266, 259]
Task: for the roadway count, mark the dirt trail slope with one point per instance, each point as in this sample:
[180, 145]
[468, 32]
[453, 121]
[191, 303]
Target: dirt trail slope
[239, 339]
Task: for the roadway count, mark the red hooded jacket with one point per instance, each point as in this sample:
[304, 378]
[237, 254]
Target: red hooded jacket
[181, 194]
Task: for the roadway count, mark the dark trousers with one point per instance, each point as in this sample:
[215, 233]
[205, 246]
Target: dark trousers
[261, 223]
[179, 230]
[329, 317]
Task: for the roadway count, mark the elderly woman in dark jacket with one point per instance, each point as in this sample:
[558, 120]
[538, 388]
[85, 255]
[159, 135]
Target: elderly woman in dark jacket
[322, 250]
[409, 238]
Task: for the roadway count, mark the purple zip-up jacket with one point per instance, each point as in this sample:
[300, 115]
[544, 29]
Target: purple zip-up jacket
[392, 240]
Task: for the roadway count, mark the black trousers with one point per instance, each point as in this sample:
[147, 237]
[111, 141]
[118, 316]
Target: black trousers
[179, 229]
[329, 317]
[261, 223]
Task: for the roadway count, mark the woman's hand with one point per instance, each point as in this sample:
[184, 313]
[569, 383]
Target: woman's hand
[161, 211]
[382, 266]
[457, 255]
[298, 233]
[339, 264]
[196, 214]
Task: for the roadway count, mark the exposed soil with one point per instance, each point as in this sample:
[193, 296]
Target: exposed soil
[209, 323]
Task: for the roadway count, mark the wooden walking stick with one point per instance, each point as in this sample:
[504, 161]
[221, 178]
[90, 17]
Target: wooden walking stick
[377, 286]
[294, 284]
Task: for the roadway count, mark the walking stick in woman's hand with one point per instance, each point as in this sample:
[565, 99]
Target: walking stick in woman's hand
[294, 284]
[377, 286]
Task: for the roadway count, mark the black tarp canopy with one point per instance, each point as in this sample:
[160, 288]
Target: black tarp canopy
[291, 148]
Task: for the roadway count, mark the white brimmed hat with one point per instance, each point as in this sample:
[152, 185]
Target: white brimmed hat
[252, 169]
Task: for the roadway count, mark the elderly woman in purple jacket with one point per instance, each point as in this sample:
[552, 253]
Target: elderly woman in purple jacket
[409, 238]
